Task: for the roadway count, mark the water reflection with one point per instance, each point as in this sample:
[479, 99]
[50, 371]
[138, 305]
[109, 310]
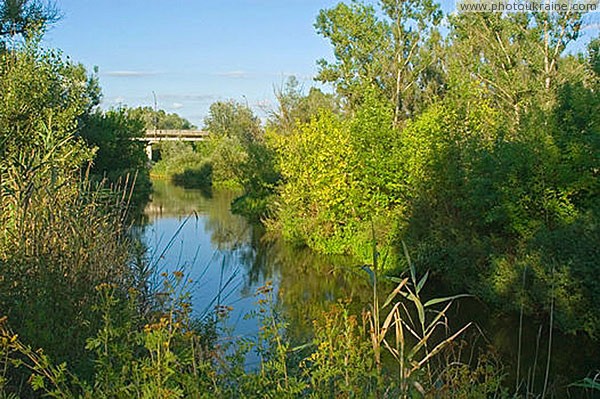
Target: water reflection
[228, 259]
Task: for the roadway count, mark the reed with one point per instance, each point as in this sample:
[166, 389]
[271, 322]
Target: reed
[399, 328]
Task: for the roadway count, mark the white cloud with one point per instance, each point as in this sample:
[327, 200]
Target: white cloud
[129, 74]
[234, 74]
[186, 97]
[177, 105]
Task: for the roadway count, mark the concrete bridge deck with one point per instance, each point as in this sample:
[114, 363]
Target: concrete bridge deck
[171, 135]
[153, 136]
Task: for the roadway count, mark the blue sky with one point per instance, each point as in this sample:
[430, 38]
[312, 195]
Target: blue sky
[192, 53]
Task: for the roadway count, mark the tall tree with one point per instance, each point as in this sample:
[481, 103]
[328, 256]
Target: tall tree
[515, 57]
[396, 53]
[232, 120]
[24, 17]
[294, 106]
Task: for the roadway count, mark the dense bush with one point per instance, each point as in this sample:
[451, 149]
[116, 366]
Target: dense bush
[488, 174]
[60, 237]
[119, 155]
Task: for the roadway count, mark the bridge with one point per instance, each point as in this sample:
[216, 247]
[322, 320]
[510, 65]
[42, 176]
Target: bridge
[154, 136]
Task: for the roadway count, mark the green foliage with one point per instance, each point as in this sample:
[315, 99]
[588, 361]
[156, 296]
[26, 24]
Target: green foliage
[181, 159]
[232, 120]
[68, 240]
[224, 159]
[59, 237]
[481, 153]
[25, 18]
[338, 174]
[393, 49]
[35, 118]
[341, 363]
[169, 354]
[486, 198]
[160, 119]
[296, 107]
[118, 154]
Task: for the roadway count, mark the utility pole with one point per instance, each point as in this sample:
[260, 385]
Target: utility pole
[155, 113]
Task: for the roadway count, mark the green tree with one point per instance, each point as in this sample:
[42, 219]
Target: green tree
[293, 106]
[394, 49]
[233, 128]
[160, 119]
[338, 176]
[58, 239]
[518, 57]
[25, 18]
[119, 156]
[42, 99]
[232, 120]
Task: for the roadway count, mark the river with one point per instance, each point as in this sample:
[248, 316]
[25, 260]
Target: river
[228, 260]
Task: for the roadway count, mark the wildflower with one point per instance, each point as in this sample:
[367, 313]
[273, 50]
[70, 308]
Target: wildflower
[102, 286]
[265, 289]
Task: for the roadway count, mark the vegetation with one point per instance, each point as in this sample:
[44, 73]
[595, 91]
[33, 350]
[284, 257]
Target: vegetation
[478, 150]
[159, 119]
[232, 157]
[59, 237]
[119, 157]
[174, 356]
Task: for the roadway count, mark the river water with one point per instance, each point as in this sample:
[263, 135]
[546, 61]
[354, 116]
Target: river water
[228, 260]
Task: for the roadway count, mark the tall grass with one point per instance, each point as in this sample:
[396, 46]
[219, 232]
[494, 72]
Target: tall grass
[410, 342]
[61, 237]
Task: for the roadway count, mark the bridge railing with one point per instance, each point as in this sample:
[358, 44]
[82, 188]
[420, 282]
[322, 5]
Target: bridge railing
[162, 133]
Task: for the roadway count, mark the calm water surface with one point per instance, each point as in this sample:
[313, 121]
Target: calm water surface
[228, 260]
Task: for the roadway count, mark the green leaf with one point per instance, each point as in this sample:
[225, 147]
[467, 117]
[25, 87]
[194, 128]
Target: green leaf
[301, 347]
[587, 383]
[394, 293]
[444, 299]
[422, 282]
[37, 382]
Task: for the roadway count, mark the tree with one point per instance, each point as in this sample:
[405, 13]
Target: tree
[339, 175]
[160, 119]
[118, 156]
[42, 98]
[233, 129]
[396, 54]
[296, 107]
[58, 240]
[517, 57]
[232, 120]
[25, 17]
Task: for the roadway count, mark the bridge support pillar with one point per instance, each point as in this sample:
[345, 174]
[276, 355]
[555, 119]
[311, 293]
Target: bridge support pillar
[149, 150]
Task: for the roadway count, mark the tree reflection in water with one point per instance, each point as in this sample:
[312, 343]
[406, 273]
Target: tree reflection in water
[230, 258]
[220, 248]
